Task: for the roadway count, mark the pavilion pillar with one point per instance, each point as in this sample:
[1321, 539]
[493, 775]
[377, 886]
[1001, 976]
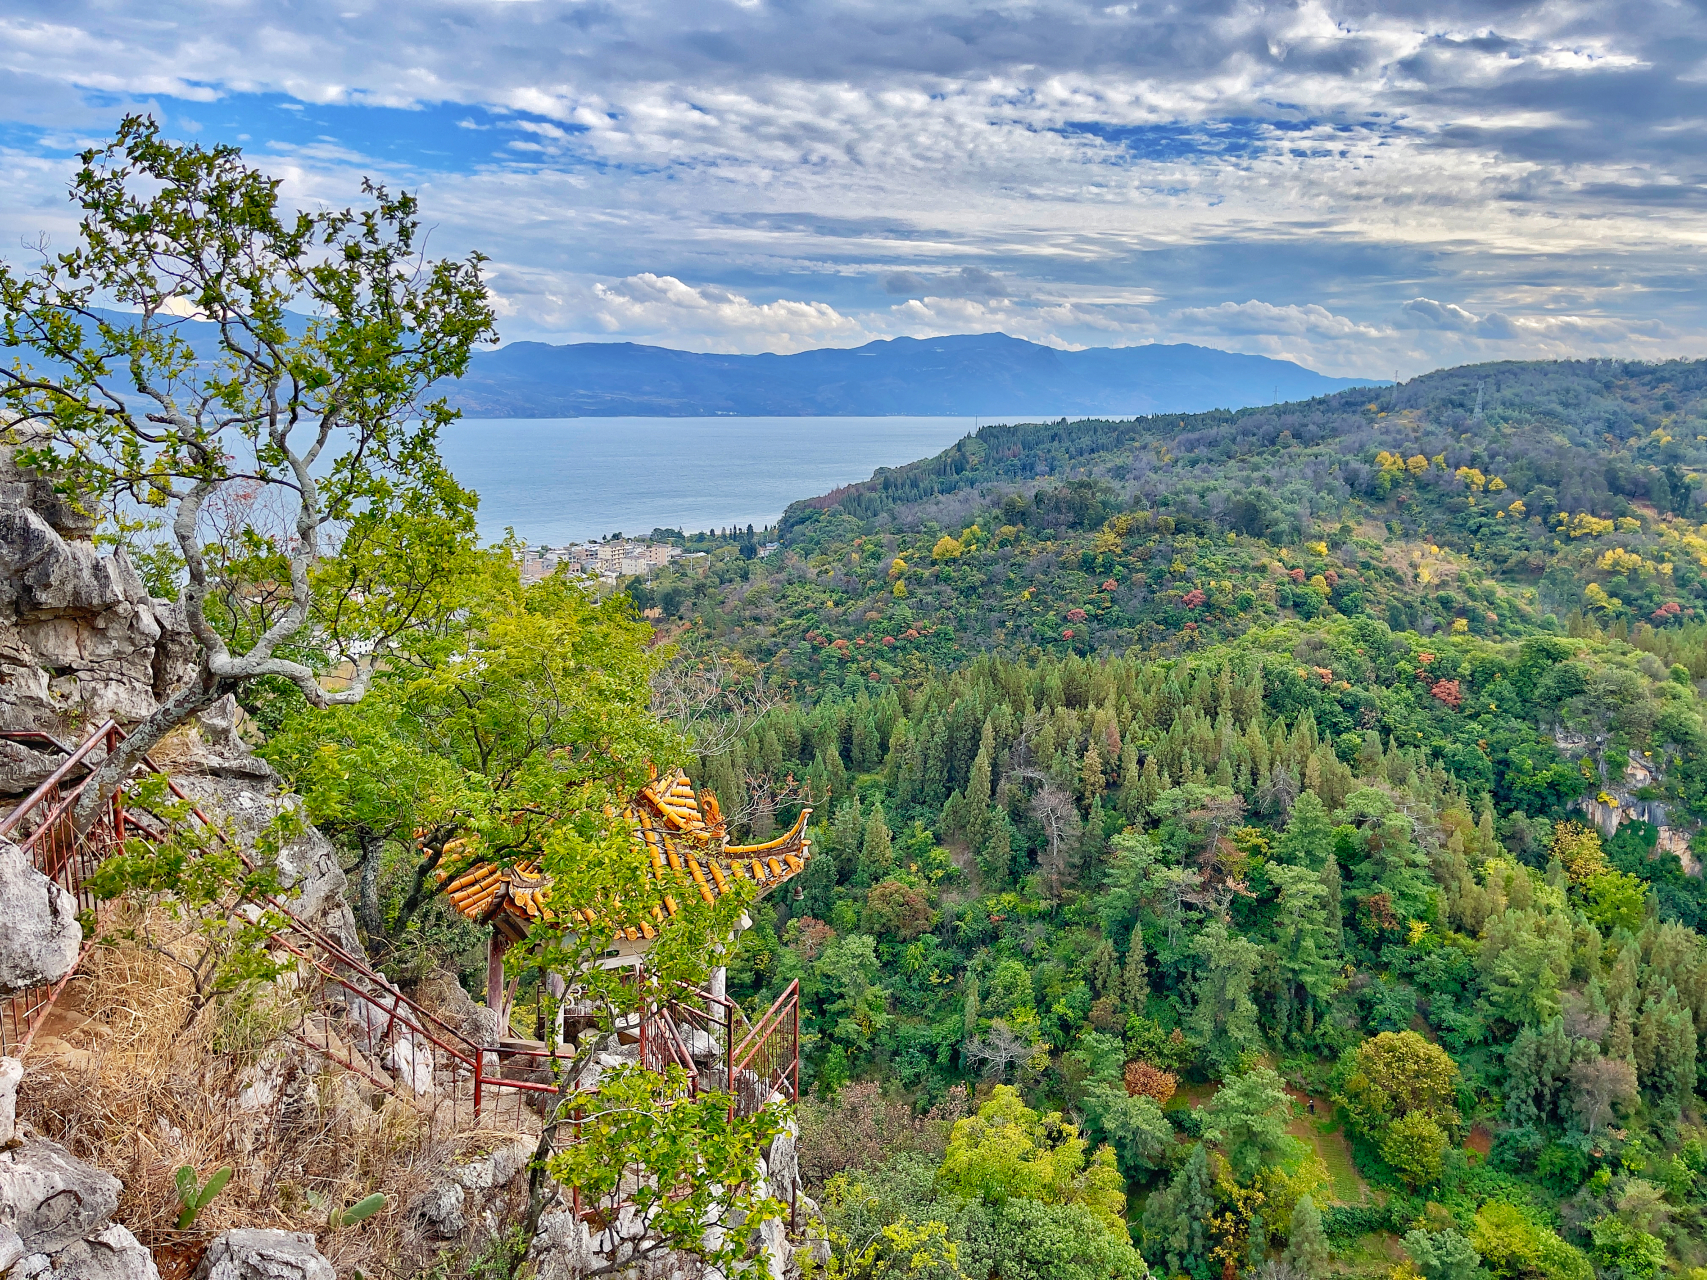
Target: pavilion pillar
[556, 988]
[496, 991]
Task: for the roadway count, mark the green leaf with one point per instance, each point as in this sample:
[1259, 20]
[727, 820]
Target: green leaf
[214, 1186]
[360, 1211]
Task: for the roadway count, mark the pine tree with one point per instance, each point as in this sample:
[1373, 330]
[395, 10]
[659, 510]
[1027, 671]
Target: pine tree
[1175, 1219]
[1135, 977]
[996, 860]
[846, 831]
[1309, 837]
[877, 854]
[977, 811]
[1102, 969]
[1224, 1016]
[1091, 781]
[1331, 902]
[1307, 1247]
[1093, 844]
[1151, 784]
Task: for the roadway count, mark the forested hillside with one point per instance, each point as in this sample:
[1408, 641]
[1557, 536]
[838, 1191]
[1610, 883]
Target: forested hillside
[1501, 500]
[1208, 867]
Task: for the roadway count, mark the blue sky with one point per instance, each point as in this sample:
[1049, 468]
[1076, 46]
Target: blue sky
[1362, 188]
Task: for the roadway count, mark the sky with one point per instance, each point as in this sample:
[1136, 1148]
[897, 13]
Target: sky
[1370, 190]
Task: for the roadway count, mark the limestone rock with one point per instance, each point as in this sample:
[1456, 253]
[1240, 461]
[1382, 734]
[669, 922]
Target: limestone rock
[39, 933]
[250, 1254]
[51, 1198]
[442, 995]
[562, 1250]
[438, 1213]
[11, 1073]
[112, 1254]
[11, 1249]
[443, 1211]
[80, 637]
[782, 1165]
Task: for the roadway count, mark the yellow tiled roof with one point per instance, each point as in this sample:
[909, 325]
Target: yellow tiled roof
[681, 831]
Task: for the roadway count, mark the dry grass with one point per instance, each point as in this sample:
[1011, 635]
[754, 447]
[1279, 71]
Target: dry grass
[126, 1079]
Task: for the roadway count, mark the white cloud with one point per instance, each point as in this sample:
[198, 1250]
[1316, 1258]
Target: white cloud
[1264, 318]
[1067, 170]
[1426, 313]
[663, 307]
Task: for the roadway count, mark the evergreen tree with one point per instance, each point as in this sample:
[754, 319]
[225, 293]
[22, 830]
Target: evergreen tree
[977, 809]
[1135, 977]
[1091, 781]
[1305, 946]
[846, 831]
[1307, 1250]
[996, 860]
[1309, 837]
[1093, 845]
[1175, 1238]
[1103, 969]
[818, 887]
[1223, 1017]
[877, 854]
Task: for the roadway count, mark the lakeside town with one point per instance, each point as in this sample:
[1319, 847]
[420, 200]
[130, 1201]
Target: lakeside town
[616, 557]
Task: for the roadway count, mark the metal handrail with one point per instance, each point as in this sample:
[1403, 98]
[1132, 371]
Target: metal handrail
[11, 820]
[772, 1019]
[407, 1027]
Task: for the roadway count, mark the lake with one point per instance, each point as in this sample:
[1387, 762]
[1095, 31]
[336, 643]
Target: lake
[560, 480]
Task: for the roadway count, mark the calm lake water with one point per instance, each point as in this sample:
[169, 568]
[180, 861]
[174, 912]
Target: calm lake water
[567, 479]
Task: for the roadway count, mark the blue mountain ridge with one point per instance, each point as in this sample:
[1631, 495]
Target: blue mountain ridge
[989, 373]
[964, 374]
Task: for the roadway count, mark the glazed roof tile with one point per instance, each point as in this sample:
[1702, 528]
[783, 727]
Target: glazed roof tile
[683, 832]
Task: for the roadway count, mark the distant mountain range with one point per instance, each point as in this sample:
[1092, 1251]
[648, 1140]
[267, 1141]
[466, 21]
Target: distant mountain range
[974, 374]
[987, 373]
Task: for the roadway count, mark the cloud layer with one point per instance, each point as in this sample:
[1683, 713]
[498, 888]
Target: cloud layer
[1354, 186]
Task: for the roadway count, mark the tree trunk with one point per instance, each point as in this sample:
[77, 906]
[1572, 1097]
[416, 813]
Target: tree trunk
[111, 773]
[368, 889]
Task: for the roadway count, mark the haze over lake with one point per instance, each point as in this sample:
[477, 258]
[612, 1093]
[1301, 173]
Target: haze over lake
[557, 480]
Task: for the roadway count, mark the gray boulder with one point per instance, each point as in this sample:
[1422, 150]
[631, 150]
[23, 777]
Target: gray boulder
[39, 933]
[112, 1254]
[562, 1250]
[11, 1074]
[51, 1198]
[250, 1254]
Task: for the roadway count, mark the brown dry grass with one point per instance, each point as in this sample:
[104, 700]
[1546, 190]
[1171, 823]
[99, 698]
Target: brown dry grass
[118, 1078]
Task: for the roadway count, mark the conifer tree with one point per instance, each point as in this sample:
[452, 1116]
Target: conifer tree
[997, 858]
[1102, 969]
[1307, 1246]
[1135, 977]
[877, 854]
[846, 831]
[1309, 837]
[1091, 781]
[1224, 1016]
[977, 798]
[1175, 1219]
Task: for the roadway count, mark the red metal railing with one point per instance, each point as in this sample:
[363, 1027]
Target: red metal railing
[357, 1020]
[767, 1063]
[42, 827]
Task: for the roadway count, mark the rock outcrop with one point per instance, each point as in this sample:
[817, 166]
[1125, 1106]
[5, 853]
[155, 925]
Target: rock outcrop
[56, 1211]
[252, 1254]
[39, 933]
[81, 639]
